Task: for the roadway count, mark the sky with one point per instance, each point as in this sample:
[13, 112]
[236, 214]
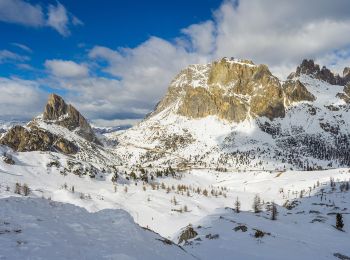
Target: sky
[114, 60]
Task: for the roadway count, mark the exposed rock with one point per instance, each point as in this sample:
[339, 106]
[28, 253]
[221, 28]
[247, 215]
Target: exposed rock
[57, 111]
[187, 234]
[308, 67]
[210, 236]
[230, 89]
[341, 256]
[198, 102]
[259, 233]
[7, 158]
[346, 95]
[242, 228]
[34, 139]
[346, 75]
[295, 91]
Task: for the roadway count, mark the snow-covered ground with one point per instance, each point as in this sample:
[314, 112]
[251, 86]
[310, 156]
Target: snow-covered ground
[165, 207]
[304, 232]
[43, 229]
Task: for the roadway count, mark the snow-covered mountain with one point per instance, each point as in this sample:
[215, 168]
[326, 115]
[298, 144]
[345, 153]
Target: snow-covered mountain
[225, 131]
[232, 114]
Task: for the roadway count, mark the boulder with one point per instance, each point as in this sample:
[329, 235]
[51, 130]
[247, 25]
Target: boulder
[187, 234]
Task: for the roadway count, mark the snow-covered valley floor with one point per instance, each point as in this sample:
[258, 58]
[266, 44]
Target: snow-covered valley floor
[166, 206]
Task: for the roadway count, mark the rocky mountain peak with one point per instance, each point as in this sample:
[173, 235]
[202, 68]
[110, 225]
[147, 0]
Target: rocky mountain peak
[309, 67]
[231, 89]
[60, 113]
[55, 108]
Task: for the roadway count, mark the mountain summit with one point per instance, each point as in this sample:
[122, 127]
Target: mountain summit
[40, 135]
[58, 112]
[234, 90]
[308, 67]
[233, 113]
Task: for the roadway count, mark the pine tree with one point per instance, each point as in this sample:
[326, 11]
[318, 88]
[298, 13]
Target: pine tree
[237, 205]
[339, 221]
[18, 188]
[25, 189]
[257, 204]
[274, 211]
[205, 192]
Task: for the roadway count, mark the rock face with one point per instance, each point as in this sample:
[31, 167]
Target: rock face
[230, 89]
[34, 139]
[308, 67]
[295, 91]
[187, 234]
[57, 111]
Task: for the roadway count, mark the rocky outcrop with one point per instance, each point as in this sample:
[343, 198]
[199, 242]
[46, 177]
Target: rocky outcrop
[308, 67]
[295, 91]
[233, 90]
[60, 113]
[199, 102]
[35, 139]
[345, 95]
[187, 234]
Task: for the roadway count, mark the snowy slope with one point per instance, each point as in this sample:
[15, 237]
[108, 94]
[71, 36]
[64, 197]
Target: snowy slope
[304, 232]
[43, 229]
[153, 206]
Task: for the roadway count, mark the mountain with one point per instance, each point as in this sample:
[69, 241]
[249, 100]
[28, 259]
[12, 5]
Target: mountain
[62, 129]
[58, 112]
[233, 114]
[226, 131]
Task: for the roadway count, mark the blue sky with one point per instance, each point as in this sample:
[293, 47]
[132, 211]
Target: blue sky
[114, 59]
[106, 23]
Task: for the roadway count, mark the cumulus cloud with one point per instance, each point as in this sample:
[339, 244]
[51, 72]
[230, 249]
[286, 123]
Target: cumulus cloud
[244, 29]
[20, 99]
[135, 79]
[66, 68]
[58, 19]
[201, 37]
[298, 29]
[12, 11]
[25, 13]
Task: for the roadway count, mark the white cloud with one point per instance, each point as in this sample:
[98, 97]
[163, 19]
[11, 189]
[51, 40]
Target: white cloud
[246, 30]
[25, 13]
[58, 19]
[22, 47]
[66, 69]
[20, 99]
[115, 122]
[283, 38]
[202, 37]
[9, 56]
[21, 12]
[138, 77]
